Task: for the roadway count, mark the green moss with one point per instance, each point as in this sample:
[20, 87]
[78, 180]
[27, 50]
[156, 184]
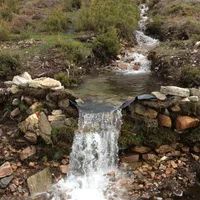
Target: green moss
[191, 137]
[64, 133]
[9, 65]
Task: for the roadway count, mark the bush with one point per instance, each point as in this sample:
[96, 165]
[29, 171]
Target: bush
[9, 65]
[73, 51]
[6, 14]
[190, 76]
[98, 15]
[69, 5]
[106, 45]
[20, 23]
[4, 30]
[63, 78]
[57, 21]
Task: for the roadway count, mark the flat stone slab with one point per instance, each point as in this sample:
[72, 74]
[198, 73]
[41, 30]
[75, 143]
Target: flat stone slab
[159, 95]
[40, 182]
[176, 91]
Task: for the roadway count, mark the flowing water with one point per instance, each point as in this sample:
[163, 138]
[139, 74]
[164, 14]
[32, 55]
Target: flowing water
[95, 151]
[94, 154]
[138, 55]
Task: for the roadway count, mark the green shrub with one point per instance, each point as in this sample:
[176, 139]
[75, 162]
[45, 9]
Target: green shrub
[57, 21]
[63, 78]
[190, 76]
[98, 15]
[69, 5]
[6, 14]
[106, 45]
[73, 51]
[9, 65]
[4, 30]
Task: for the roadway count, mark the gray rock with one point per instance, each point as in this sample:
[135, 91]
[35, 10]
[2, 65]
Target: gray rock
[194, 98]
[31, 137]
[5, 181]
[58, 124]
[195, 92]
[159, 95]
[56, 112]
[177, 91]
[52, 118]
[15, 102]
[40, 182]
[22, 80]
[68, 122]
[45, 128]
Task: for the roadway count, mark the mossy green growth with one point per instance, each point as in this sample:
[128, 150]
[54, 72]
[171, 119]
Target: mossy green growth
[63, 78]
[64, 133]
[191, 137]
[9, 65]
[190, 76]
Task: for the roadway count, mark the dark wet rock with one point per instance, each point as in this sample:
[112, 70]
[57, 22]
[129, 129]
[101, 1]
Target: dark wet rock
[40, 182]
[5, 181]
[162, 104]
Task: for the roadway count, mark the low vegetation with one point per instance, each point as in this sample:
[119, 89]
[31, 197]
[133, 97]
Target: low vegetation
[9, 65]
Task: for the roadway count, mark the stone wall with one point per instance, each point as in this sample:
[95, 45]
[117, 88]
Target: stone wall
[162, 118]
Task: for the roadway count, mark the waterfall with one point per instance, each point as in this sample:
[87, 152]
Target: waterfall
[94, 154]
[145, 43]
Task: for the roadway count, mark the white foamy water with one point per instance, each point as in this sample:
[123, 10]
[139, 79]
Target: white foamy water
[145, 43]
[94, 154]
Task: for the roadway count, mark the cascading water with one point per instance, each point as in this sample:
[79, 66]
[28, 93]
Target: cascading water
[94, 154]
[138, 60]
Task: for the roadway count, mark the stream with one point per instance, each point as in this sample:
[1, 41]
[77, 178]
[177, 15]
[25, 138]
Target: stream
[95, 151]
